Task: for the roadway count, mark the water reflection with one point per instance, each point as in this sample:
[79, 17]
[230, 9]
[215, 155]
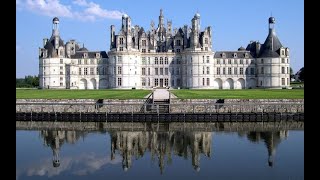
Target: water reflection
[162, 145]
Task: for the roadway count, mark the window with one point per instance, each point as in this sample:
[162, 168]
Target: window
[156, 61]
[178, 43]
[156, 71]
[119, 82]
[91, 71]
[223, 70]
[61, 67]
[229, 70]
[143, 59]
[143, 71]
[178, 61]
[148, 71]
[79, 71]
[208, 70]
[166, 60]
[119, 59]
[86, 61]
[206, 41]
[282, 52]
[156, 82]
[282, 60]
[235, 70]
[172, 72]
[178, 82]
[178, 71]
[203, 70]
[208, 81]
[283, 70]
[91, 61]
[85, 71]
[241, 61]
[144, 42]
[143, 50]
[203, 81]
[178, 50]
[252, 71]
[229, 61]
[143, 81]
[223, 61]
[218, 61]
[148, 81]
[121, 40]
[206, 48]
[261, 61]
[161, 60]
[98, 70]
[172, 60]
[235, 61]
[61, 84]
[121, 49]
[61, 78]
[218, 71]
[172, 82]
[161, 71]
[166, 82]
[262, 70]
[208, 59]
[61, 61]
[283, 81]
[114, 70]
[166, 71]
[119, 70]
[288, 72]
[241, 71]
[246, 61]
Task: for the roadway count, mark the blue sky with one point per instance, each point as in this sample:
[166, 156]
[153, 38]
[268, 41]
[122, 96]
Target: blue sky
[235, 23]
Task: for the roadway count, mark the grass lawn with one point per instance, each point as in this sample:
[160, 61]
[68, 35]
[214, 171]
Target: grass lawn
[240, 94]
[80, 94]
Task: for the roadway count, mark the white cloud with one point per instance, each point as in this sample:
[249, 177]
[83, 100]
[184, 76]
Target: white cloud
[89, 11]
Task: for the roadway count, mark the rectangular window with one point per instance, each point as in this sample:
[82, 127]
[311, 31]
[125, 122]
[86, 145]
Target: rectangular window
[161, 71]
[156, 61]
[178, 50]
[161, 60]
[283, 60]
[156, 82]
[143, 71]
[61, 61]
[218, 61]
[241, 71]
[172, 60]
[61, 67]
[208, 70]
[98, 71]
[178, 43]
[223, 61]
[283, 81]
[144, 42]
[86, 61]
[206, 48]
[143, 81]
[114, 70]
[91, 71]
[79, 71]
[206, 41]
[121, 40]
[91, 61]
[119, 59]
[262, 61]
[119, 82]
[172, 72]
[143, 60]
[235, 61]
[229, 61]
[178, 61]
[119, 70]
[218, 71]
[121, 49]
[156, 71]
[283, 70]
[166, 71]
[241, 61]
[203, 81]
[262, 70]
[178, 71]
[144, 50]
[85, 71]
[148, 71]
[178, 82]
[235, 70]
[208, 81]
[61, 84]
[203, 70]
[288, 72]
[202, 59]
[223, 70]
[61, 78]
[208, 59]
[148, 81]
[166, 60]
[229, 70]
[166, 82]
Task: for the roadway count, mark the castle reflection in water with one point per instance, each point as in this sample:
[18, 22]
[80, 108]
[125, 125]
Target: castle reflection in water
[161, 145]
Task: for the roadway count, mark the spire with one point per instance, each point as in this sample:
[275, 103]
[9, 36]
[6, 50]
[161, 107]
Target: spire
[161, 21]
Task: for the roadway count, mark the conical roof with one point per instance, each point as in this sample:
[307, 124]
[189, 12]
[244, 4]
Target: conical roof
[271, 46]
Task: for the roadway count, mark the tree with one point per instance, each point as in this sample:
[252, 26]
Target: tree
[301, 74]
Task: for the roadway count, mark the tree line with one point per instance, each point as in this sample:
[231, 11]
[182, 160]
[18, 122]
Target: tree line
[27, 82]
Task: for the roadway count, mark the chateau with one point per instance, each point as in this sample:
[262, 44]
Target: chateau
[163, 57]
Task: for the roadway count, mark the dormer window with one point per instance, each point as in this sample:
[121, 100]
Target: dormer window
[223, 55]
[235, 55]
[85, 55]
[97, 55]
[246, 55]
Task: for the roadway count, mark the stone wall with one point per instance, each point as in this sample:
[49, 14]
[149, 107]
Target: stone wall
[176, 105]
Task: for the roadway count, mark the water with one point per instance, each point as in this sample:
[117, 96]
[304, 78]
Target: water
[165, 152]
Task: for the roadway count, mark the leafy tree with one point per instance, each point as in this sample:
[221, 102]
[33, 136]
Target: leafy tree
[301, 74]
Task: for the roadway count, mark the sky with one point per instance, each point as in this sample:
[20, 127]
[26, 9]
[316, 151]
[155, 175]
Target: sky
[234, 23]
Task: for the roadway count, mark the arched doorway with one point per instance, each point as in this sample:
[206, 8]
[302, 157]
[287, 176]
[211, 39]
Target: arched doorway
[252, 83]
[228, 84]
[240, 84]
[217, 83]
[92, 84]
[83, 84]
[103, 83]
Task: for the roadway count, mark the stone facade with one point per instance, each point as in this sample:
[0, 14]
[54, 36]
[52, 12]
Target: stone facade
[163, 57]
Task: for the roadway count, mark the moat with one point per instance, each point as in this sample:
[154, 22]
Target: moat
[92, 150]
